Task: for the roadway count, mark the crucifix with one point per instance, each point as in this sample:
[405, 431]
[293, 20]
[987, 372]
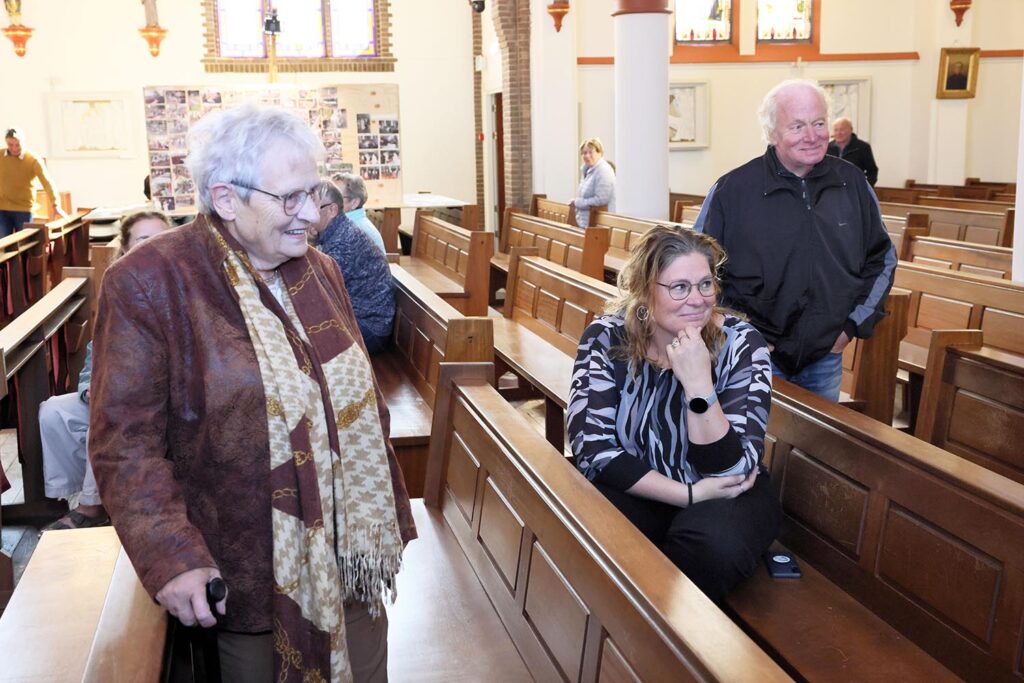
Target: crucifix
[272, 26]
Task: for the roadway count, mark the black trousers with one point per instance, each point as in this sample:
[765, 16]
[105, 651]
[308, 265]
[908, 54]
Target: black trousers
[717, 543]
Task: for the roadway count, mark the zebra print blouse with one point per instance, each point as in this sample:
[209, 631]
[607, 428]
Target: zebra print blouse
[635, 423]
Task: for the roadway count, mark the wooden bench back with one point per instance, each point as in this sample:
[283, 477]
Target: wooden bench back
[898, 227]
[557, 212]
[973, 402]
[958, 224]
[552, 301]
[948, 300]
[582, 593]
[580, 250]
[685, 212]
[992, 206]
[966, 257]
[387, 221]
[975, 192]
[67, 244]
[928, 541]
[870, 365]
[898, 194]
[429, 331]
[468, 216]
[22, 272]
[461, 255]
[103, 255]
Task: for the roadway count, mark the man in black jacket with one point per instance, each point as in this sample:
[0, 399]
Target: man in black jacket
[810, 262]
[846, 145]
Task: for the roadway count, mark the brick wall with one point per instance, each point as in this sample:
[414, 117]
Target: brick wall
[478, 115]
[512, 24]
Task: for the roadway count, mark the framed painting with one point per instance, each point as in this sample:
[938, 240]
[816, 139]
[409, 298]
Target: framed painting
[958, 73]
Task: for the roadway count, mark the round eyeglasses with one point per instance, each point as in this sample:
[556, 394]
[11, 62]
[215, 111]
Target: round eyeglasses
[680, 290]
[292, 202]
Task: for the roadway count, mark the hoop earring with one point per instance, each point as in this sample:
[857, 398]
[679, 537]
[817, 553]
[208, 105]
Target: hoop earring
[642, 313]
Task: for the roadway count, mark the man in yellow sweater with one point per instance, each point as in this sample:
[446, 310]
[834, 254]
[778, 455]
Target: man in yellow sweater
[17, 170]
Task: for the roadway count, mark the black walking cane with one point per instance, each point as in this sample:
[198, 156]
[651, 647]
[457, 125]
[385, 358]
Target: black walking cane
[194, 647]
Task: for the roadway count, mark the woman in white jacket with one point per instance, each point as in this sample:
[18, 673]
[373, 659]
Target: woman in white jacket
[597, 186]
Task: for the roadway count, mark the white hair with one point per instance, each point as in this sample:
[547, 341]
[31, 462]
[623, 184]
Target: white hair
[769, 109]
[228, 147]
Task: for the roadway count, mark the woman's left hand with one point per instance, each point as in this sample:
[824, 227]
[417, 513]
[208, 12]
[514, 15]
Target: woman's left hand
[691, 362]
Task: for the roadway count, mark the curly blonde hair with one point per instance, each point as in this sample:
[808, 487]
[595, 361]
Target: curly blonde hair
[655, 251]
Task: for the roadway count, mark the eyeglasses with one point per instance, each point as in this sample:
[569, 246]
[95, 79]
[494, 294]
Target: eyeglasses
[293, 201]
[680, 290]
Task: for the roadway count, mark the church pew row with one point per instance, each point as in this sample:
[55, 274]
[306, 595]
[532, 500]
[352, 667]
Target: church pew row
[972, 403]
[993, 206]
[957, 224]
[925, 540]
[81, 614]
[22, 272]
[966, 257]
[427, 332]
[387, 220]
[583, 250]
[452, 261]
[584, 596]
[685, 211]
[943, 299]
[467, 216]
[67, 244]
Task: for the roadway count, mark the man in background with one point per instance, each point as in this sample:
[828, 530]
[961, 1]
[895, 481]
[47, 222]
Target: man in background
[846, 145]
[353, 192]
[18, 168]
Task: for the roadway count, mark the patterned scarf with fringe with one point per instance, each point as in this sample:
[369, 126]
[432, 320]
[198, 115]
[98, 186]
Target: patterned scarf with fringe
[336, 533]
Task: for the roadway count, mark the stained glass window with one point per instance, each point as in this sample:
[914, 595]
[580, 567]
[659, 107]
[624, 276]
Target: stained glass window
[304, 28]
[703, 21]
[783, 21]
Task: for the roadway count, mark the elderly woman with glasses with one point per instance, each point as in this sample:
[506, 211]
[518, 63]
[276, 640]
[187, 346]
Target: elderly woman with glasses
[668, 407]
[238, 432]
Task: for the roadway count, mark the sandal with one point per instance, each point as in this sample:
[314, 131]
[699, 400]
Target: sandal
[76, 520]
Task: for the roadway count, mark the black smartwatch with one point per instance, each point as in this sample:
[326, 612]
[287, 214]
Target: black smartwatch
[700, 404]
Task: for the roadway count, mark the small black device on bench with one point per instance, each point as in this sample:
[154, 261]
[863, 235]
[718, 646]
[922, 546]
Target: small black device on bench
[781, 565]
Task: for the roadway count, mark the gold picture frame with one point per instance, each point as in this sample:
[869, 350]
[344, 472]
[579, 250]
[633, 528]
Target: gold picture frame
[958, 73]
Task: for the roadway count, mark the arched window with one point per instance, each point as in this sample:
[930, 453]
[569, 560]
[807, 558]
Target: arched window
[316, 35]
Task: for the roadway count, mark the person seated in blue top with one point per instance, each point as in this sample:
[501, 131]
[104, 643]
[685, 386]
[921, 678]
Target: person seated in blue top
[353, 195]
[363, 265]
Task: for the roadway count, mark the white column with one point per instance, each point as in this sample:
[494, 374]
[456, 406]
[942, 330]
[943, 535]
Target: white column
[641, 108]
[554, 98]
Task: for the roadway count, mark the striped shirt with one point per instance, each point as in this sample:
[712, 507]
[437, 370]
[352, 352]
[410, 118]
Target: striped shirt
[630, 423]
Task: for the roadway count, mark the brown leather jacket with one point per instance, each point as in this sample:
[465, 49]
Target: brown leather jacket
[178, 436]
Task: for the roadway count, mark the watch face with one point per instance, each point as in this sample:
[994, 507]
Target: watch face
[698, 405]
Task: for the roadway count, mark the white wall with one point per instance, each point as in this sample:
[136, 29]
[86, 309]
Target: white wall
[95, 46]
[906, 119]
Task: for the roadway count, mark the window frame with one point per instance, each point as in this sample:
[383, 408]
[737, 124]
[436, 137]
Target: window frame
[384, 60]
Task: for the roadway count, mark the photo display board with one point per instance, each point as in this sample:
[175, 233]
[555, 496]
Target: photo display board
[358, 124]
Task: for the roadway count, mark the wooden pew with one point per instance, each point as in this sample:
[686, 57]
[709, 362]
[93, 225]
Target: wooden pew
[467, 216]
[542, 207]
[966, 257]
[547, 307]
[103, 255]
[625, 231]
[22, 268]
[452, 261]
[67, 244]
[387, 221]
[972, 403]
[967, 204]
[898, 194]
[81, 614]
[43, 351]
[870, 365]
[894, 535]
[685, 212]
[957, 224]
[583, 594]
[899, 227]
[427, 332]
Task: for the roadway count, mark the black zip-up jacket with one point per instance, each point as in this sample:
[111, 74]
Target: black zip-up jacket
[858, 153]
[808, 257]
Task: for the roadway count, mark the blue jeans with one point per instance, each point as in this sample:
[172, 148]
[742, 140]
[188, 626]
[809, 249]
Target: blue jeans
[11, 221]
[824, 376]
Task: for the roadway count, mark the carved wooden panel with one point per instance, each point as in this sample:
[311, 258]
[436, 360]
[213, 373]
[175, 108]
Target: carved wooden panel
[461, 476]
[614, 668]
[1003, 329]
[958, 581]
[556, 613]
[526, 296]
[574, 320]
[985, 429]
[558, 252]
[939, 313]
[574, 258]
[945, 229]
[932, 262]
[982, 235]
[501, 533]
[547, 308]
[827, 501]
[987, 272]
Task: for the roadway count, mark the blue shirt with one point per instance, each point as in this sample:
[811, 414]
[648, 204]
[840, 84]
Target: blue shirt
[358, 217]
